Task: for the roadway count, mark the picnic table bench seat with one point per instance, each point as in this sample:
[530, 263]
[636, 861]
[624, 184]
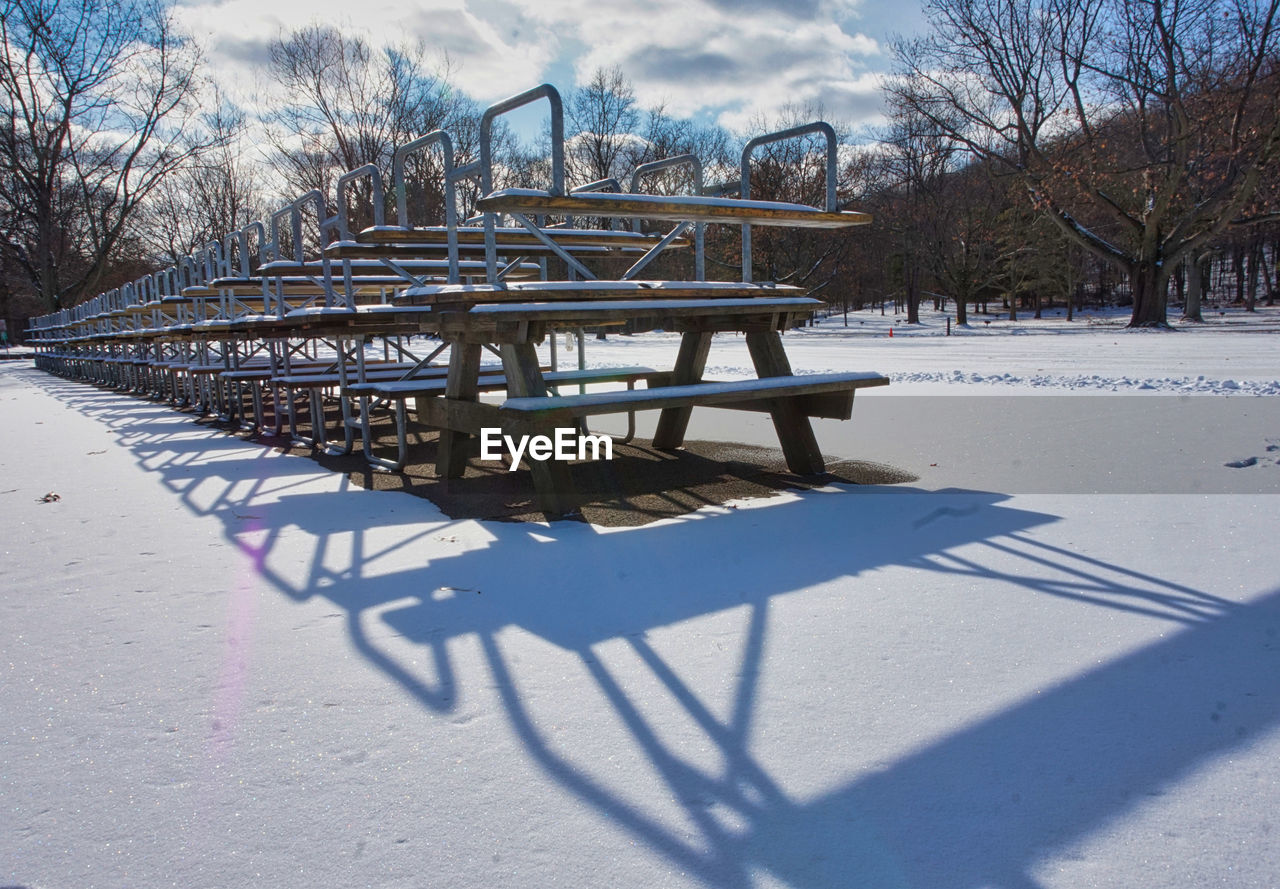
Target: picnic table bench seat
[490, 379]
[313, 379]
[429, 379]
[249, 290]
[552, 291]
[365, 276]
[367, 271]
[365, 319]
[259, 372]
[244, 291]
[512, 238]
[372, 318]
[403, 250]
[811, 392]
[494, 379]
[202, 368]
[671, 208]
[790, 400]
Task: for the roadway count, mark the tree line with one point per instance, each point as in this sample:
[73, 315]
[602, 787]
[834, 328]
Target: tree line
[1036, 153]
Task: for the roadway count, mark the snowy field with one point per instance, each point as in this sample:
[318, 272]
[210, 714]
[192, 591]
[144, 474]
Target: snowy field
[1095, 354]
[1052, 662]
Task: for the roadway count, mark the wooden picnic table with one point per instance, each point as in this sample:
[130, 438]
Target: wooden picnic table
[514, 328]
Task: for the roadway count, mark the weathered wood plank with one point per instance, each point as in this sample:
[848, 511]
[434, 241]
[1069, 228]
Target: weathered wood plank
[591, 313]
[494, 378]
[795, 432]
[515, 237]
[462, 386]
[695, 394]
[690, 363]
[460, 416]
[553, 291]
[551, 479]
[827, 405]
[673, 208]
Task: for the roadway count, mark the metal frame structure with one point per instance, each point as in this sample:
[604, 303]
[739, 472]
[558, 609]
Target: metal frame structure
[299, 305]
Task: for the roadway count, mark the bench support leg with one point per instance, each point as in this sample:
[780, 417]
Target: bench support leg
[551, 479]
[462, 385]
[795, 432]
[690, 363]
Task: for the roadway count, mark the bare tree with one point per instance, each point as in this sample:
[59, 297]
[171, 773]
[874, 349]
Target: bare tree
[347, 104]
[217, 193]
[97, 111]
[1197, 274]
[962, 247]
[610, 135]
[665, 136]
[1155, 118]
[794, 170]
[601, 119]
[919, 161]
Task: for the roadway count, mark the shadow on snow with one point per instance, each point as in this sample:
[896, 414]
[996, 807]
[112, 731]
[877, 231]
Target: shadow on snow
[980, 807]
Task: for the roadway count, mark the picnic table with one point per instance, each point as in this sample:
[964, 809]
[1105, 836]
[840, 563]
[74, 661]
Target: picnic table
[512, 318]
[532, 409]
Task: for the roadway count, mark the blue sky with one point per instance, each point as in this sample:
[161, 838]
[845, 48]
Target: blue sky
[732, 62]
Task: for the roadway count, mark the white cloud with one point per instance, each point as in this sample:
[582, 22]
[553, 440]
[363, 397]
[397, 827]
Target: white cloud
[483, 50]
[736, 60]
[696, 57]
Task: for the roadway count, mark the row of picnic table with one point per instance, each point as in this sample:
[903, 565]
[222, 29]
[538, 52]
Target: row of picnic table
[269, 325]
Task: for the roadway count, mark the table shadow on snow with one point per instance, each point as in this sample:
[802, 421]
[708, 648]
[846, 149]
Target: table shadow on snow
[985, 805]
[641, 484]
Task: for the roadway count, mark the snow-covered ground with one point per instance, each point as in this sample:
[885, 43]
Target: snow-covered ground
[1090, 355]
[1052, 663]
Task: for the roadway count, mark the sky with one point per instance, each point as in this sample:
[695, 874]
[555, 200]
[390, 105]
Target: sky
[728, 61]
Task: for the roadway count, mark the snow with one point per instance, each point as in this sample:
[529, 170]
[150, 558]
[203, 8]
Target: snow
[584, 308]
[622, 287]
[637, 201]
[1053, 661]
[1091, 356]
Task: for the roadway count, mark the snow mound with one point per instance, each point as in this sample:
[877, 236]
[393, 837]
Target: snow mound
[1182, 385]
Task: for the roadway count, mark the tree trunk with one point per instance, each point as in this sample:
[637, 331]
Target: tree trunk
[1195, 269]
[962, 310]
[1150, 295]
[1270, 282]
[48, 278]
[1251, 287]
[1237, 265]
[913, 296]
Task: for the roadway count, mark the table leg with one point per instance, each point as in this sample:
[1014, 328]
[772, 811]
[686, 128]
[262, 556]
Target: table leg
[462, 384]
[551, 479]
[795, 432]
[690, 363]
